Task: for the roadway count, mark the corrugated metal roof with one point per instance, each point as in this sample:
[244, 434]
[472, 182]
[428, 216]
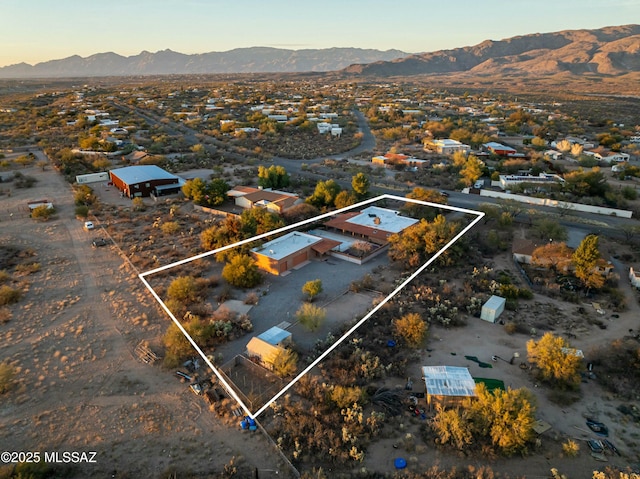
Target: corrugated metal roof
[274, 335]
[142, 173]
[448, 381]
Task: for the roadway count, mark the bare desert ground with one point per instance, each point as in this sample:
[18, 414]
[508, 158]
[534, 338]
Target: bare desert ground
[80, 387]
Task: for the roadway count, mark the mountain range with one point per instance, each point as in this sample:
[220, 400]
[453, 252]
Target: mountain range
[608, 51]
[167, 62]
[604, 51]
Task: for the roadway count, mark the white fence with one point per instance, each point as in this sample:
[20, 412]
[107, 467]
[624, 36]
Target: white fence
[601, 210]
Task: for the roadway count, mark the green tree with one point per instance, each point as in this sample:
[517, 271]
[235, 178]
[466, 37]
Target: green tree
[312, 288]
[242, 271]
[555, 361]
[311, 316]
[206, 193]
[255, 221]
[284, 362]
[345, 198]
[549, 229]
[471, 171]
[273, 177]
[452, 427]
[415, 244]
[585, 259]
[324, 195]
[227, 232]
[360, 185]
[424, 194]
[411, 328]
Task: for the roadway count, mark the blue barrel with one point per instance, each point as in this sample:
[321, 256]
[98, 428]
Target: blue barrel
[244, 424]
[400, 463]
[391, 343]
[252, 422]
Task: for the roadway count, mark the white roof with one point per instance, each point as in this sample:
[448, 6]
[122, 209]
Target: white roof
[494, 302]
[388, 220]
[448, 381]
[142, 173]
[274, 335]
[286, 245]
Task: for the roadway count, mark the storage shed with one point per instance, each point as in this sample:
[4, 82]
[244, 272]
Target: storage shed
[492, 309]
[276, 336]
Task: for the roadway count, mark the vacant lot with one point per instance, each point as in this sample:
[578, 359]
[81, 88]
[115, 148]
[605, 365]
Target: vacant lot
[71, 339]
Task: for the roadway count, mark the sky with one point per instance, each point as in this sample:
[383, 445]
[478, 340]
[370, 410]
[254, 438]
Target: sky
[34, 31]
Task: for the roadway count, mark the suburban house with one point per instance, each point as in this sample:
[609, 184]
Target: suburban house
[499, 149]
[398, 159]
[290, 251]
[446, 146]
[145, 180]
[522, 250]
[553, 155]
[247, 197]
[373, 224]
[447, 385]
[509, 181]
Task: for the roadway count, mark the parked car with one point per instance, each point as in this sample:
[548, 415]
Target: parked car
[88, 225]
[98, 242]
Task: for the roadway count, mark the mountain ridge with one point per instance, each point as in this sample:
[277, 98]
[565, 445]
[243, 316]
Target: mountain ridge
[611, 50]
[169, 62]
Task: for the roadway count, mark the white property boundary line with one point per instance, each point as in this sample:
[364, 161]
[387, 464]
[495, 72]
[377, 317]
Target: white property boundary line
[220, 377]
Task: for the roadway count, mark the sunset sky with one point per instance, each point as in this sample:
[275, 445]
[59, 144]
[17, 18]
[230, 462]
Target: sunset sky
[39, 30]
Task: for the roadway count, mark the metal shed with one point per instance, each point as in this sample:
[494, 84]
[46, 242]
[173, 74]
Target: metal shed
[492, 309]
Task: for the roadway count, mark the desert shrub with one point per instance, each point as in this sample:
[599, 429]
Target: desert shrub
[345, 396]
[251, 298]
[7, 377]
[284, 363]
[170, 227]
[5, 315]
[9, 295]
[4, 276]
[42, 212]
[411, 328]
[82, 211]
[28, 268]
[510, 328]
[311, 316]
[23, 181]
[183, 289]
[570, 448]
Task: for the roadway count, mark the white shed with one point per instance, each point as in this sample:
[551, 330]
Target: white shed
[492, 309]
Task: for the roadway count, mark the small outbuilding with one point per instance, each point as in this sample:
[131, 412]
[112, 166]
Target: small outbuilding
[492, 309]
[447, 385]
[276, 336]
[263, 351]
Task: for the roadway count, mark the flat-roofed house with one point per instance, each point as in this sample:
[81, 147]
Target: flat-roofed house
[373, 224]
[247, 197]
[290, 251]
